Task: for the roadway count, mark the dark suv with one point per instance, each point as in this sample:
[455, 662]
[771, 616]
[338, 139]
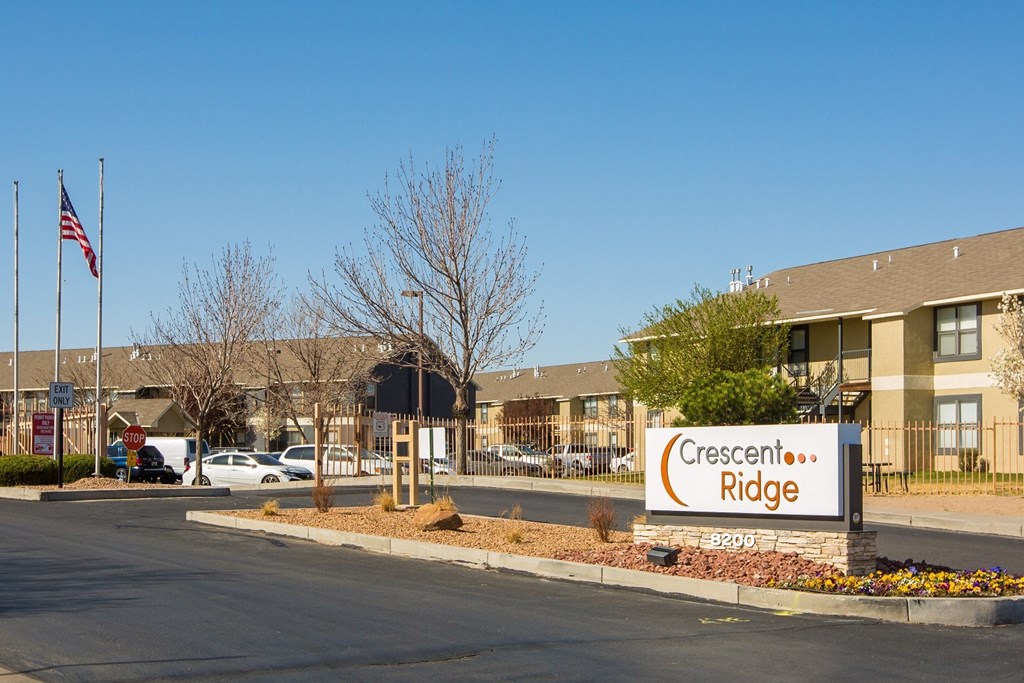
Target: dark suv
[149, 464]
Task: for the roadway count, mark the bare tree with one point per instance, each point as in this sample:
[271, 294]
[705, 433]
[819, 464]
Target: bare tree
[433, 241]
[196, 350]
[307, 365]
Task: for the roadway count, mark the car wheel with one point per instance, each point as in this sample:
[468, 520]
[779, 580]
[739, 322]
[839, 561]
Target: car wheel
[121, 474]
[168, 478]
[622, 469]
[271, 479]
[204, 481]
[508, 472]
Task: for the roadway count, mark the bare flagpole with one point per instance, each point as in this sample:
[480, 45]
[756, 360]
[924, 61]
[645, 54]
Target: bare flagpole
[100, 427]
[17, 411]
[60, 244]
[58, 414]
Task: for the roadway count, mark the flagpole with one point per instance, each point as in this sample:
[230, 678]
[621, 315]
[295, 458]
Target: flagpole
[60, 243]
[58, 413]
[17, 411]
[100, 427]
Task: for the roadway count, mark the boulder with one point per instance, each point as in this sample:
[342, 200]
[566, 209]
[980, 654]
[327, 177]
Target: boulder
[431, 518]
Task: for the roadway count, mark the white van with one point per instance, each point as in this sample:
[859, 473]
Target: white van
[179, 452]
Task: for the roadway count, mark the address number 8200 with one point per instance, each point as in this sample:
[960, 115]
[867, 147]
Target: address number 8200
[728, 540]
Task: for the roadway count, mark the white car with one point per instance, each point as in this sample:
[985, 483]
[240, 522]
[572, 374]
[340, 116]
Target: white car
[623, 463]
[225, 469]
[338, 461]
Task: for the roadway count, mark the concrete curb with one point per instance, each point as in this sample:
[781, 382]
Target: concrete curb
[936, 611]
[23, 493]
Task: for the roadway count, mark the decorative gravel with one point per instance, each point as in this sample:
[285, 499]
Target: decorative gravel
[573, 544]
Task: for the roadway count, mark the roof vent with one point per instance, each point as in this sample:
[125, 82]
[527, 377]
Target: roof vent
[536, 371]
[956, 252]
[874, 264]
[750, 275]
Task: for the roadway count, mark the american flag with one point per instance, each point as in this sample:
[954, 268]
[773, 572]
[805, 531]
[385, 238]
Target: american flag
[71, 229]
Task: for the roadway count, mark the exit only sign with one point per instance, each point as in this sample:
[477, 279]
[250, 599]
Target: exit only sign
[62, 395]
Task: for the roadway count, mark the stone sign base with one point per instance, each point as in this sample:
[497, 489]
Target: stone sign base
[851, 552]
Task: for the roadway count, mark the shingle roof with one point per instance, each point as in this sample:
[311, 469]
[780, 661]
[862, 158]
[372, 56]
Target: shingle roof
[121, 370]
[900, 280]
[552, 381]
[897, 281]
[141, 411]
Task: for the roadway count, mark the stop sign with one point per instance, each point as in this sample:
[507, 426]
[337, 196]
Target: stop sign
[133, 437]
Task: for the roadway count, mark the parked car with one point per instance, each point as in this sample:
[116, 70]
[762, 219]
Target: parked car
[492, 464]
[575, 457]
[149, 464]
[581, 458]
[225, 469]
[549, 465]
[624, 463]
[338, 461]
[179, 452]
[232, 449]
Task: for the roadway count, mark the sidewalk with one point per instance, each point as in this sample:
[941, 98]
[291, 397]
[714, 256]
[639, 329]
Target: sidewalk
[980, 514]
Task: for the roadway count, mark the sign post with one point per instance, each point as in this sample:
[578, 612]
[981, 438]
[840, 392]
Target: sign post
[62, 395]
[133, 437]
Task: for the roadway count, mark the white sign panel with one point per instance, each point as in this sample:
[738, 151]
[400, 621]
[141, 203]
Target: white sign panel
[62, 395]
[439, 445]
[765, 470]
[382, 424]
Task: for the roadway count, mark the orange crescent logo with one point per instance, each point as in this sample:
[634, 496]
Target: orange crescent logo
[664, 471]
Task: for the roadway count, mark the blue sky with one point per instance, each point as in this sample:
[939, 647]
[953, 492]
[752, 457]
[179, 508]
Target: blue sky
[642, 147]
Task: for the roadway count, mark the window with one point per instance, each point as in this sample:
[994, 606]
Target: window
[957, 332]
[590, 439]
[958, 418]
[590, 406]
[655, 419]
[613, 406]
[483, 413]
[613, 439]
[797, 361]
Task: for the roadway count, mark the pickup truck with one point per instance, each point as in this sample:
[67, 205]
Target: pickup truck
[548, 465]
[149, 464]
[580, 458]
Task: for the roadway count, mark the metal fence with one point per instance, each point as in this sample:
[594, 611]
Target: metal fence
[945, 458]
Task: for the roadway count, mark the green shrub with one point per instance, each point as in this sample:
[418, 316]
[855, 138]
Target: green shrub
[969, 460]
[80, 466]
[27, 470]
[39, 470]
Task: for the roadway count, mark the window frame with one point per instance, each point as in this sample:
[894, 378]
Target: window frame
[939, 357]
[958, 427]
[590, 407]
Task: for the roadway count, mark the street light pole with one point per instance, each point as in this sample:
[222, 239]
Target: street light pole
[418, 295]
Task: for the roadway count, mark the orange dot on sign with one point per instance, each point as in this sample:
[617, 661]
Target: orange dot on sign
[788, 457]
[800, 458]
[814, 458]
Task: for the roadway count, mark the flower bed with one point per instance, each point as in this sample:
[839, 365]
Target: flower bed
[909, 579]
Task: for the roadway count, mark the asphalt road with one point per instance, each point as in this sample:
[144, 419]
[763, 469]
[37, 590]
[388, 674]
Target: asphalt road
[128, 591]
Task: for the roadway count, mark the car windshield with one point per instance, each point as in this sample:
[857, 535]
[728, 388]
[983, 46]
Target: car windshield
[531, 451]
[264, 458]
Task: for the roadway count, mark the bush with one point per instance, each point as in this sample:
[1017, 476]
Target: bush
[385, 500]
[323, 497]
[27, 470]
[81, 466]
[271, 508]
[969, 460]
[601, 513]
